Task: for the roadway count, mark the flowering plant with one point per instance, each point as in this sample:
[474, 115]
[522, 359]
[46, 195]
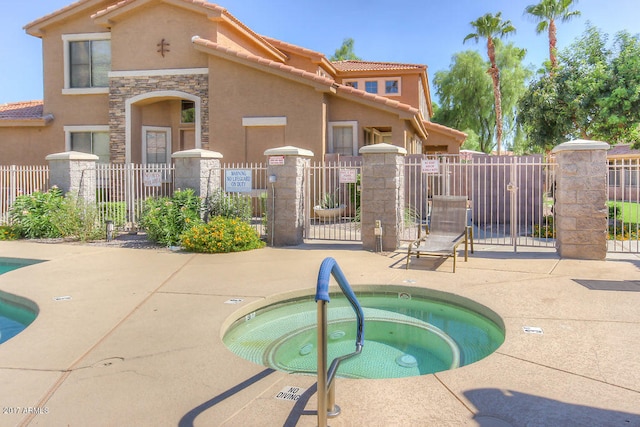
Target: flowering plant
[221, 235]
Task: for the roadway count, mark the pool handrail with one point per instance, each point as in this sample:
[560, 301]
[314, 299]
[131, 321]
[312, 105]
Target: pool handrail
[326, 385]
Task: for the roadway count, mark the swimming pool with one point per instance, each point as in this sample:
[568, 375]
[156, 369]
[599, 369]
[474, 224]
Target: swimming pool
[408, 332]
[16, 313]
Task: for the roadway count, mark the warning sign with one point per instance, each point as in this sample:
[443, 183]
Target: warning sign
[238, 181]
[348, 176]
[290, 393]
[431, 166]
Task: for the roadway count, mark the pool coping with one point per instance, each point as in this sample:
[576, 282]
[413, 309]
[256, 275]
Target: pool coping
[127, 302]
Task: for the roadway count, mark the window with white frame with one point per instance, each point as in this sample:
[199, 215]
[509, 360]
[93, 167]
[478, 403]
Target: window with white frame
[386, 86]
[87, 62]
[371, 86]
[391, 87]
[343, 138]
[89, 139]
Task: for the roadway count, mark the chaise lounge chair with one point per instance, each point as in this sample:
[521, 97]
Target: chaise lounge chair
[446, 231]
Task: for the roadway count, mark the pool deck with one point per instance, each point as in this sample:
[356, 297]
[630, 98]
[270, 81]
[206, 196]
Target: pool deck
[139, 341]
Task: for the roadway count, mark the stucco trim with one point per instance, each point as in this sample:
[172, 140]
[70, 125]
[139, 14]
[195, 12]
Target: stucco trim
[156, 73]
[264, 121]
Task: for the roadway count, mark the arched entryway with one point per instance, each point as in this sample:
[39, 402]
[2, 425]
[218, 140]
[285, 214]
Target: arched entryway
[160, 123]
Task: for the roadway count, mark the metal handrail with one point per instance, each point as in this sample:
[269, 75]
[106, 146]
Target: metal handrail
[326, 383]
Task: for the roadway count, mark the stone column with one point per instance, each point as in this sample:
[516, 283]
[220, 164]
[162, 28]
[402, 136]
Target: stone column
[199, 170]
[74, 172]
[382, 196]
[580, 199]
[286, 168]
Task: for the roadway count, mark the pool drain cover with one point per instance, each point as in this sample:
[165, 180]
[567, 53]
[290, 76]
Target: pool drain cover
[407, 361]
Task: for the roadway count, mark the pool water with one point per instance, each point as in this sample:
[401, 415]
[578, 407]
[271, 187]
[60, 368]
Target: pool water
[407, 333]
[14, 315]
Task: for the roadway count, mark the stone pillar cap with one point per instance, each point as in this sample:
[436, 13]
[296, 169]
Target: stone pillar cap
[581, 145]
[197, 153]
[71, 155]
[288, 151]
[382, 148]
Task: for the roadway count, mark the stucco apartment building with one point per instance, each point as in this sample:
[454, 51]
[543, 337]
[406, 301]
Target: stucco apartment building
[136, 80]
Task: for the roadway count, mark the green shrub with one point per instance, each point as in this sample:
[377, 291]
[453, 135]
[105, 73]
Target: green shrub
[229, 206]
[31, 214]
[166, 218]
[7, 232]
[50, 214]
[221, 235]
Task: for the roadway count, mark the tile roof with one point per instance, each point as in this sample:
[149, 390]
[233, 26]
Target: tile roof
[28, 110]
[622, 150]
[346, 66]
[261, 60]
[445, 129]
[348, 90]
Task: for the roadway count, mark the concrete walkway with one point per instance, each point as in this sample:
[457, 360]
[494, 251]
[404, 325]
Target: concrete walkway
[139, 342]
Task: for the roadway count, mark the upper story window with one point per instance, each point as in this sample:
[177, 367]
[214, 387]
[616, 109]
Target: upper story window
[391, 87]
[87, 59]
[385, 86]
[371, 86]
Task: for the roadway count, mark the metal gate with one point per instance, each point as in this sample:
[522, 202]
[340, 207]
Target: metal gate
[510, 198]
[332, 202]
[624, 205]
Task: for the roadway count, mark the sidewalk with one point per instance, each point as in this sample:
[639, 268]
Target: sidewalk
[139, 342]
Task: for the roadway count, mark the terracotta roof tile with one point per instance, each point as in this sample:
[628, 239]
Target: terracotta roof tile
[57, 12]
[303, 50]
[264, 61]
[29, 110]
[346, 66]
[445, 129]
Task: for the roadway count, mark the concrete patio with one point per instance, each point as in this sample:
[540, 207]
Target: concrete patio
[139, 341]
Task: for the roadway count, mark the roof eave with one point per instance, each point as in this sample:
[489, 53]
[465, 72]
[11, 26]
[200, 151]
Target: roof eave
[38, 122]
[320, 84]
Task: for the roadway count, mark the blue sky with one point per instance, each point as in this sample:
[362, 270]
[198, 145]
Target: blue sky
[422, 32]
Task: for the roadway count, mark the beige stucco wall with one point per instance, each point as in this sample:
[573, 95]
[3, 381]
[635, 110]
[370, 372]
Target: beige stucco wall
[342, 109]
[238, 91]
[135, 37]
[440, 142]
[24, 145]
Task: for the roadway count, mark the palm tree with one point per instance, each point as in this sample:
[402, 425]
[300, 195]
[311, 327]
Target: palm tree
[546, 13]
[492, 27]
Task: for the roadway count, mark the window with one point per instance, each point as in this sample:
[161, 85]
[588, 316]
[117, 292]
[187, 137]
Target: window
[156, 146]
[353, 84]
[343, 138]
[188, 112]
[91, 142]
[87, 63]
[371, 86]
[391, 87]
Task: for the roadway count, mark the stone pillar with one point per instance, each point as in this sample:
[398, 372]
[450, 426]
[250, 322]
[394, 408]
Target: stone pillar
[199, 170]
[285, 195]
[74, 172]
[382, 197]
[581, 199]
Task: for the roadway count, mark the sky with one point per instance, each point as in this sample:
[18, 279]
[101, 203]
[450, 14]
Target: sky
[425, 32]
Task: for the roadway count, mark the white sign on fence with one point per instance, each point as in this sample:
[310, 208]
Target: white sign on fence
[348, 176]
[276, 160]
[152, 179]
[430, 166]
[237, 181]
